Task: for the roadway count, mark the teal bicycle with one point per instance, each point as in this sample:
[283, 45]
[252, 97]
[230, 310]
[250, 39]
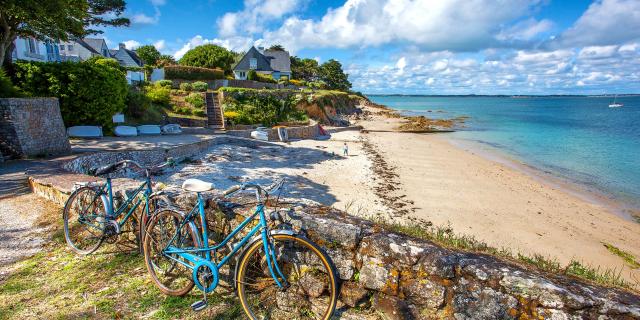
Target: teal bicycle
[93, 215]
[279, 274]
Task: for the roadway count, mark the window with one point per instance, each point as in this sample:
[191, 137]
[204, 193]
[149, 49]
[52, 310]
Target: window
[70, 47]
[32, 45]
[105, 52]
[253, 63]
[62, 47]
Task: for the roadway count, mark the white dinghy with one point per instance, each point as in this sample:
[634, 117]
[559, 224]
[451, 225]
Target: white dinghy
[125, 131]
[85, 131]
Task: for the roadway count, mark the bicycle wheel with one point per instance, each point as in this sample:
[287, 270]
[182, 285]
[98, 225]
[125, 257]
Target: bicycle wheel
[84, 218]
[170, 276]
[156, 202]
[312, 283]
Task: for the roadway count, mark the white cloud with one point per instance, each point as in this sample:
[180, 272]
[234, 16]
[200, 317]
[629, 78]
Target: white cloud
[525, 30]
[142, 18]
[605, 22]
[131, 44]
[231, 43]
[597, 52]
[254, 15]
[160, 45]
[457, 25]
[629, 47]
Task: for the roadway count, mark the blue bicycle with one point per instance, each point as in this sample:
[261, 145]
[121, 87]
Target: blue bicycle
[92, 214]
[279, 274]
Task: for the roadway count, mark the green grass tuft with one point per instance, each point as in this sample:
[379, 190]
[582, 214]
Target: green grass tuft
[626, 256]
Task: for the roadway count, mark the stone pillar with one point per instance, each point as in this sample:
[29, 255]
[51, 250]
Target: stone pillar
[32, 127]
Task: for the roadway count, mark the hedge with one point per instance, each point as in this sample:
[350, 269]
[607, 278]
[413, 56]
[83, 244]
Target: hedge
[192, 73]
[89, 93]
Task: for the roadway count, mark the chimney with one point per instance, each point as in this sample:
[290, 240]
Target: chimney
[121, 46]
[261, 49]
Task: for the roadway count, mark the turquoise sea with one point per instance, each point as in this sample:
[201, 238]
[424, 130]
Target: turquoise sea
[578, 139]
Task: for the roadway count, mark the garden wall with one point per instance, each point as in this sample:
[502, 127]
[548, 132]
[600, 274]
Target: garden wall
[302, 132]
[32, 127]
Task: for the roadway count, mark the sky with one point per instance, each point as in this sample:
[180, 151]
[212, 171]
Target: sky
[417, 46]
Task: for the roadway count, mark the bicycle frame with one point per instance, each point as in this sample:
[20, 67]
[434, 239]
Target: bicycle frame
[193, 261]
[106, 193]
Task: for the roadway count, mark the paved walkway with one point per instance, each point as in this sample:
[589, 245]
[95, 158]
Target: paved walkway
[139, 142]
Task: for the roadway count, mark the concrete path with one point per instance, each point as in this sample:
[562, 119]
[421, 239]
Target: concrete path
[137, 143]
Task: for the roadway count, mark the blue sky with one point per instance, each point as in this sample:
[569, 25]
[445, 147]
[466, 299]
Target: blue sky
[418, 46]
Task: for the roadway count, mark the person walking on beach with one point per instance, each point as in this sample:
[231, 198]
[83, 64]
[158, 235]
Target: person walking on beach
[345, 150]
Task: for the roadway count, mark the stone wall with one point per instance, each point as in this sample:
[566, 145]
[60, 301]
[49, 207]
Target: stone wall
[301, 132]
[32, 127]
[187, 122]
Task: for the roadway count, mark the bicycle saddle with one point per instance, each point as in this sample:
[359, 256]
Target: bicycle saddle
[196, 185]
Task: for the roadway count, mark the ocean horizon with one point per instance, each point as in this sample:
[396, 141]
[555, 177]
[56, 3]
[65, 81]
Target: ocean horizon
[578, 139]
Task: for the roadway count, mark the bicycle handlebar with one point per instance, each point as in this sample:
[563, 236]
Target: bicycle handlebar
[246, 186]
[123, 163]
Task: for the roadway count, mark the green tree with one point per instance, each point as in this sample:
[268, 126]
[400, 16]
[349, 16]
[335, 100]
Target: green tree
[304, 69]
[332, 74]
[208, 56]
[55, 19]
[165, 60]
[149, 54]
[276, 47]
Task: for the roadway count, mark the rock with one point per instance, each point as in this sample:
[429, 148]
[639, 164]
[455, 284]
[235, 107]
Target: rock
[377, 275]
[473, 302]
[324, 231]
[344, 263]
[313, 285]
[422, 291]
[353, 295]
[393, 308]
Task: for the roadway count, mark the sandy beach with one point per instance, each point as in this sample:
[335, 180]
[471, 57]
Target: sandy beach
[398, 176]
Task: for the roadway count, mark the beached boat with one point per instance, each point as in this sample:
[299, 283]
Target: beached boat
[125, 131]
[149, 129]
[85, 132]
[614, 104]
[261, 133]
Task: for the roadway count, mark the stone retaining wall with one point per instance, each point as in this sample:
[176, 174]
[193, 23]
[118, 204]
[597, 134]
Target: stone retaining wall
[302, 132]
[32, 127]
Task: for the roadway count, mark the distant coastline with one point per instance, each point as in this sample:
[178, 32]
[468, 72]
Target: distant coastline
[502, 95]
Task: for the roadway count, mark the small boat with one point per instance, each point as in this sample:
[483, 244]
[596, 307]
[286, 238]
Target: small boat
[261, 133]
[614, 104]
[125, 131]
[149, 129]
[171, 129]
[85, 132]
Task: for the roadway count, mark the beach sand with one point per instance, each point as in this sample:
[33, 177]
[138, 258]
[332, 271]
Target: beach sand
[396, 176]
[500, 204]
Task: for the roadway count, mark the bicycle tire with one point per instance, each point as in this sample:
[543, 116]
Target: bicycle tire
[297, 295]
[155, 234]
[96, 203]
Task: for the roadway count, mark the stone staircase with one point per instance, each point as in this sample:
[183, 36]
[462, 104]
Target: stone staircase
[215, 117]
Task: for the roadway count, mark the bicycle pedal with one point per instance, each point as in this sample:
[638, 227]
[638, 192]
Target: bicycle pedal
[199, 305]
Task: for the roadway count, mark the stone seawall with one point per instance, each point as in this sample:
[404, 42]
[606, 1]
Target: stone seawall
[32, 127]
[302, 132]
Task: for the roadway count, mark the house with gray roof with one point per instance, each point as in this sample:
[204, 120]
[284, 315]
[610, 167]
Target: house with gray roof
[126, 57]
[269, 62]
[83, 49]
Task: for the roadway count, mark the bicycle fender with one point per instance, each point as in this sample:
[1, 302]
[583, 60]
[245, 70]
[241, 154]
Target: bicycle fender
[251, 242]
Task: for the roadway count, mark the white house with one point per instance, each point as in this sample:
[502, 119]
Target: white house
[83, 49]
[35, 50]
[270, 62]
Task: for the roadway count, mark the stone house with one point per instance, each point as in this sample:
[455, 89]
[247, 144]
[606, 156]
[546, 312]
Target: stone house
[126, 57]
[276, 63]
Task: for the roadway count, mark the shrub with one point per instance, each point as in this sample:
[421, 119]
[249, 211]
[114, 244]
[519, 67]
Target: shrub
[89, 94]
[158, 94]
[199, 113]
[186, 86]
[260, 106]
[298, 83]
[137, 103]
[164, 83]
[192, 73]
[113, 63]
[7, 89]
[196, 100]
[252, 75]
[265, 78]
[200, 86]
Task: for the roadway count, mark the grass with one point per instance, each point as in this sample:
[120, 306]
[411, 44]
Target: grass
[111, 283]
[629, 258]
[445, 237]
